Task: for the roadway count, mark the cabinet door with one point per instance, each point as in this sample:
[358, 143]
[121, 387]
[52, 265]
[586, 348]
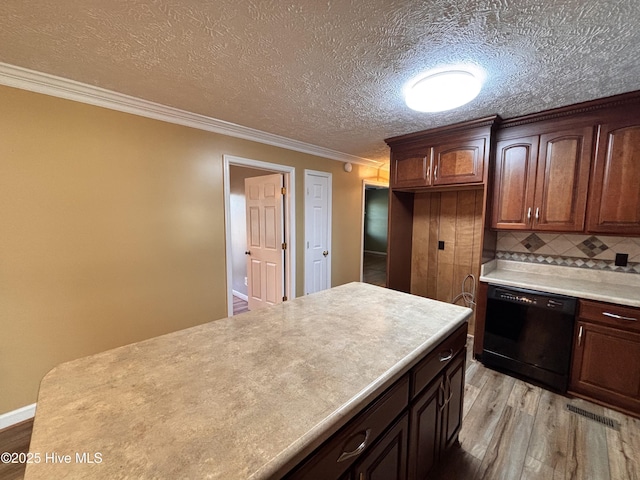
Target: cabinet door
[461, 162]
[411, 167]
[614, 205]
[606, 365]
[452, 408]
[562, 180]
[424, 444]
[387, 460]
[514, 183]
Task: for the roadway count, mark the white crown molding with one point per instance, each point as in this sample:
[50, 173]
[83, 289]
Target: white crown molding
[25, 79]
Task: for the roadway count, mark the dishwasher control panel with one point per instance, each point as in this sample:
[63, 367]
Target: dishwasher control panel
[532, 298]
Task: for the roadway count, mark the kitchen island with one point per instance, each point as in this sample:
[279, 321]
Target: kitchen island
[248, 397]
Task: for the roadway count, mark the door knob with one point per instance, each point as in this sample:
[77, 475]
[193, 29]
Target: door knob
[325, 253]
[247, 252]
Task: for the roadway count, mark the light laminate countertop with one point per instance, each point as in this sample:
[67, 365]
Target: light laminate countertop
[612, 287]
[246, 397]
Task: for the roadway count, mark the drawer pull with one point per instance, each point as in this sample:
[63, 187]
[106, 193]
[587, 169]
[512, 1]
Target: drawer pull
[619, 317]
[347, 455]
[445, 357]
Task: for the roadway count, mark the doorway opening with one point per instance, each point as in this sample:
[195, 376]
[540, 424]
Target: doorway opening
[236, 170]
[375, 210]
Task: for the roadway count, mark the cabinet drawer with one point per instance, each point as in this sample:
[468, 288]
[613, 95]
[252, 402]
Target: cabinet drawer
[336, 455]
[423, 373]
[627, 318]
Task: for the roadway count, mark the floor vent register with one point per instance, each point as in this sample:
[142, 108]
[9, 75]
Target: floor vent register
[606, 421]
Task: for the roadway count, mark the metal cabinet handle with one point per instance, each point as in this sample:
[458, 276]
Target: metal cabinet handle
[537, 213]
[444, 357]
[580, 336]
[428, 169]
[529, 214]
[359, 449]
[435, 172]
[450, 390]
[441, 400]
[619, 317]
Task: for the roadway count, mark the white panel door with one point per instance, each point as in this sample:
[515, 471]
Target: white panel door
[317, 231]
[264, 240]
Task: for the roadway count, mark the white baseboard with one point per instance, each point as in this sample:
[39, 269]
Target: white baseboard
[16, 416]
[240, 295]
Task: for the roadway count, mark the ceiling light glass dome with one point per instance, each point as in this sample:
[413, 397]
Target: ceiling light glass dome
[442, 90]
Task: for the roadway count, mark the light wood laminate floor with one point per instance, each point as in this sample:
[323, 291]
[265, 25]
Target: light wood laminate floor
[513, 430]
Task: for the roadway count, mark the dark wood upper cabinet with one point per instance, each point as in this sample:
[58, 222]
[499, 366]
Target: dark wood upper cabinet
[541, 181]
[514, 183]
[411, 167]
[460, 162]
[614, 205]
[562, 181]
[448, 156]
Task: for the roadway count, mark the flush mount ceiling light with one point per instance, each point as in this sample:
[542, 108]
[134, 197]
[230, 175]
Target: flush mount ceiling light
[441, 90]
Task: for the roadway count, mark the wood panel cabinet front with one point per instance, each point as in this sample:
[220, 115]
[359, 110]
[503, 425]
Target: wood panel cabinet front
[460, 162]
[436, 418]
[615, 188]
[425, 428]
[562, 181]
[606, 357]
[411, 167]
[514, 183]
[454, 388]
[387, 460]
[541, 181]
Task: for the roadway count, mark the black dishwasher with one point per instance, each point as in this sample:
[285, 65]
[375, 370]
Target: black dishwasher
[530, 334]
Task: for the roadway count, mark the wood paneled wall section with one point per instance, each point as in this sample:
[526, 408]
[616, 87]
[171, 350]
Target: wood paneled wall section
[456, 219]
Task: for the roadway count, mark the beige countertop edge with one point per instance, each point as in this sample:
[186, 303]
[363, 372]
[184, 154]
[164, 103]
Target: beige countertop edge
[628, 295]
[299, 450]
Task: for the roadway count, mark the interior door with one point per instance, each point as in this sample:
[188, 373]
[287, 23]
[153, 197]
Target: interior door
[317, 231]
[264, 240]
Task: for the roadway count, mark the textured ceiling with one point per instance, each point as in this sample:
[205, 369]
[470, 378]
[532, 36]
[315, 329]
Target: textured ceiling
[330, 73]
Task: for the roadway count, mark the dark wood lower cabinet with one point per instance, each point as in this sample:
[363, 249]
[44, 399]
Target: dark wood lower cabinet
[606, 356]
[436, 418]
[452, 409]
[402, 434]
[424, 446]
[387, 460]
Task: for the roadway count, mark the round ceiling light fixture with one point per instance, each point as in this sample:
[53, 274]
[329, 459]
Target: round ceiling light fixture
[442, 89]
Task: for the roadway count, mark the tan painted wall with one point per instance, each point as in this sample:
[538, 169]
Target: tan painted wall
[112, 230]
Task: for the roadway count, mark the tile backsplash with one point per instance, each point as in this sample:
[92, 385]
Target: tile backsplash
[569, 250]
